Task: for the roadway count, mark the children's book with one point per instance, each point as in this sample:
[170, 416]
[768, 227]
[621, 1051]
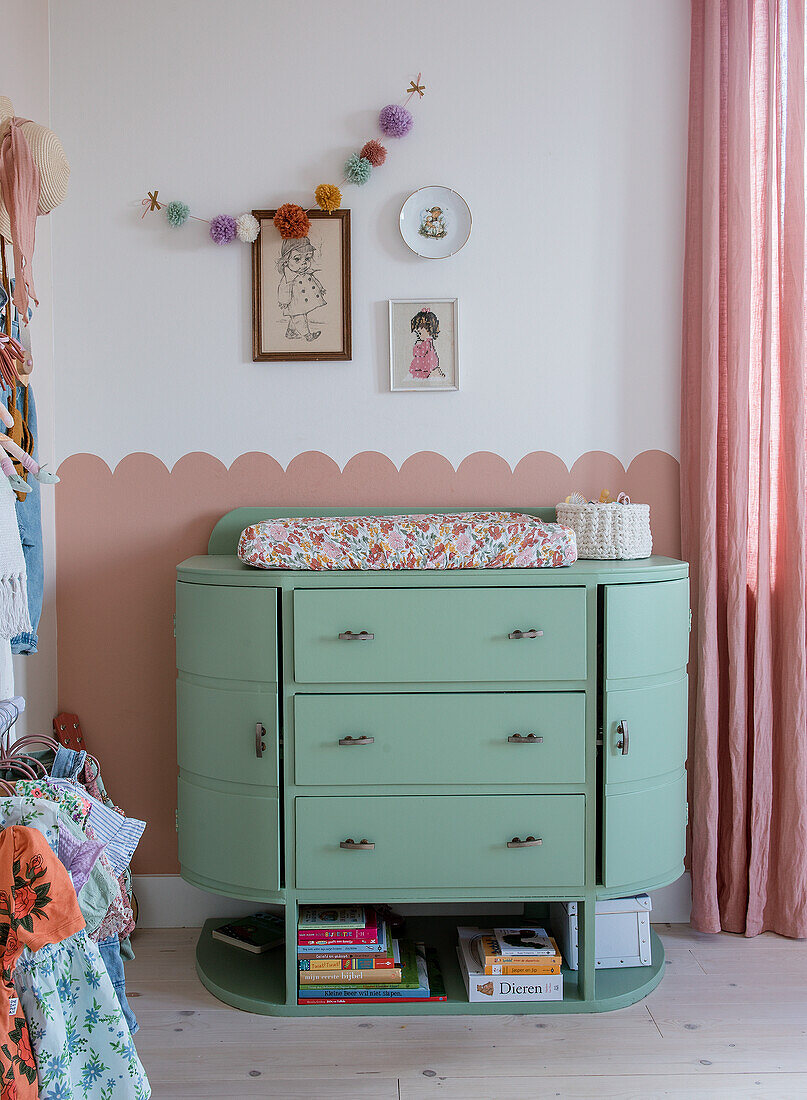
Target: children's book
[487, 951]
[257, 933]
[430, 987]
[330, 917]
[408, 966]
[351, 962]
[326, 950]
[341, 937]
[524, 940]
[486, 988]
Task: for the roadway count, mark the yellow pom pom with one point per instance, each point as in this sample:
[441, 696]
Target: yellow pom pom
[328, 197]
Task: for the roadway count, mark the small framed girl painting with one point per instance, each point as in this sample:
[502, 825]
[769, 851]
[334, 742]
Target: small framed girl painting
[423, 344]
[301, 290]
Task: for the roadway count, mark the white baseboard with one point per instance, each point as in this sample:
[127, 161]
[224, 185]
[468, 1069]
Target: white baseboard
[167, 901]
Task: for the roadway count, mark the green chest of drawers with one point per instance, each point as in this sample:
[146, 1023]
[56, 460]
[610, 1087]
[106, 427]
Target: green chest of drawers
[490, 736]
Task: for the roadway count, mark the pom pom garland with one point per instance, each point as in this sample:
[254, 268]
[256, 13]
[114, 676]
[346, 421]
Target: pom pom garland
[357, 169]
[395, 121]
[222, 229]
[375, 152]
[328, 197]
[177, 213]
[291, 221]
[247, 228]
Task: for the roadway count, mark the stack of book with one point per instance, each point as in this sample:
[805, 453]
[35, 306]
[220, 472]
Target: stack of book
[510, 964]
[347, 954]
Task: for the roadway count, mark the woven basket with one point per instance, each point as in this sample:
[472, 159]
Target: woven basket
[608, 531]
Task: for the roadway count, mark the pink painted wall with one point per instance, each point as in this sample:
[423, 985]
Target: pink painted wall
[115, 593]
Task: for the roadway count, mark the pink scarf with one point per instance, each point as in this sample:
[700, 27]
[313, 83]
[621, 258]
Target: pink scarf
[19, 185]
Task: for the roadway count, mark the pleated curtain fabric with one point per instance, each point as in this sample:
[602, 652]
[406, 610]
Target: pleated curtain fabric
[743, 465]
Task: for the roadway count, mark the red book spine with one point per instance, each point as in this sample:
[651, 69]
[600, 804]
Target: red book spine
[369, 1000]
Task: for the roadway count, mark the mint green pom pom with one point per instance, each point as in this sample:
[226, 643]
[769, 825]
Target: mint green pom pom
[357, 169]
[177, 213]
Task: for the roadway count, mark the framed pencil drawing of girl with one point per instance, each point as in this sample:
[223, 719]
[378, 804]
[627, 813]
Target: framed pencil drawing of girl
[423, 344]
[301, 290]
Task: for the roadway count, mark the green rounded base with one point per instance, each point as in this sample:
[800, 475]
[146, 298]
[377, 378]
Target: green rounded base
[257, 983]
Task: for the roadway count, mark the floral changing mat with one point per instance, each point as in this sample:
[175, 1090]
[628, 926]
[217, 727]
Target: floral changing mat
[463, 540]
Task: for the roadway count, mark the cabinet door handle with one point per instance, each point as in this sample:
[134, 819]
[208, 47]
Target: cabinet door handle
[624, 737]
[361, 636]
[525, 739]
[365, 739]
[517, 635]
[260, 744]
[357, 845]
[530, 842]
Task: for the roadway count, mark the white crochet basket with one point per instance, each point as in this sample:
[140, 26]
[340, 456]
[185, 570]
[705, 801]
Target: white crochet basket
[609, 531]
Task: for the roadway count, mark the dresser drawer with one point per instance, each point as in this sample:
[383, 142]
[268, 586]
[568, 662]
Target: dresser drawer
[227, 632]
[646, 629]
[439, 841]
[440, 738]
[433, 635]
[217, 735]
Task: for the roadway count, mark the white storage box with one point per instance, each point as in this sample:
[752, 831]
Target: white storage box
[622, 931]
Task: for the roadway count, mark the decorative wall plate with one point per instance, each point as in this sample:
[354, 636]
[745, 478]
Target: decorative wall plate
[435, 222]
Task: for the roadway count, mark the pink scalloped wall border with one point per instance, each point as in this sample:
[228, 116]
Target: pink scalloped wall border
[115, 590]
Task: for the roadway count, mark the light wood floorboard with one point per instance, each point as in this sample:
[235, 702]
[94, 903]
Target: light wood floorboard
[729, 1019]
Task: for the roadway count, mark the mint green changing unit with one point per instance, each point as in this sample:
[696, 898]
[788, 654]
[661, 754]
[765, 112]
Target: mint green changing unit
[441, 761]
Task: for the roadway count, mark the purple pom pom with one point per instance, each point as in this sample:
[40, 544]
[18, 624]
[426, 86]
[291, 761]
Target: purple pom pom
[395, 121]
[222, 229]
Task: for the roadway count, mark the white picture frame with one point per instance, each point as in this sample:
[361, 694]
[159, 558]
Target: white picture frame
[424, 358]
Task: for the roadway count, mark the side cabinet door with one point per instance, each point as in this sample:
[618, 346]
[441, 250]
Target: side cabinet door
[644, 728]
[228, 817]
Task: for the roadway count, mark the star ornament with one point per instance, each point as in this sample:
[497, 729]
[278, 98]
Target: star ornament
[416, 86]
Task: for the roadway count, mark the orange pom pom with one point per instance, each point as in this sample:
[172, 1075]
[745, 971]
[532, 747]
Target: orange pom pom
[328, 197]
[291, 221]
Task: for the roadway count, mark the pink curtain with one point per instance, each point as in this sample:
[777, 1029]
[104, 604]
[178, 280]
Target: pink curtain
[744, 465]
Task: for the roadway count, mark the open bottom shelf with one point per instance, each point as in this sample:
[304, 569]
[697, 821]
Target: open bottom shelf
[257, 983]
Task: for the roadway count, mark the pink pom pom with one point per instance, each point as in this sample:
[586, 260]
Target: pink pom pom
[395, 121]
[375, 152]
[222, 229]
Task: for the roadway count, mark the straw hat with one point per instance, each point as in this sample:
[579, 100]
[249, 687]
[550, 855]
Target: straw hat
[50, 159]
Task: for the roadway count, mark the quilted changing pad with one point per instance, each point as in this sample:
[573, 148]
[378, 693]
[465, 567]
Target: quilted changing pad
[463, 540]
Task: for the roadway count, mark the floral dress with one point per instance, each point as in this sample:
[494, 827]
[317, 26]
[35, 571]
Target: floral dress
[35, 909]
[81, 1044]
[81, 1040]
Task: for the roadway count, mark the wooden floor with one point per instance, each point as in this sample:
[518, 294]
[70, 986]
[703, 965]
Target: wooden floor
[728, 1020]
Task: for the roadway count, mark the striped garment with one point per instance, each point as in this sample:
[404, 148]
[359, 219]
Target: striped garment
[120, 834]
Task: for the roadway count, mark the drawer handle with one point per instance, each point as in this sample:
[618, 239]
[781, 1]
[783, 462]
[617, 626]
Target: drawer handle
[517, 635]
[624, 737]
[365, 739]
[260, 744]
[357, 845]
[530, 842]
[362, 636]
[522, 739]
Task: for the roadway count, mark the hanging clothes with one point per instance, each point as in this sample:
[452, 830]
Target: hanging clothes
[37, 907]
[73, 1022]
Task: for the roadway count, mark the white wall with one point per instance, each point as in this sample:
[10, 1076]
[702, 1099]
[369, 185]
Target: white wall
[563, 125]
[26, 81]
